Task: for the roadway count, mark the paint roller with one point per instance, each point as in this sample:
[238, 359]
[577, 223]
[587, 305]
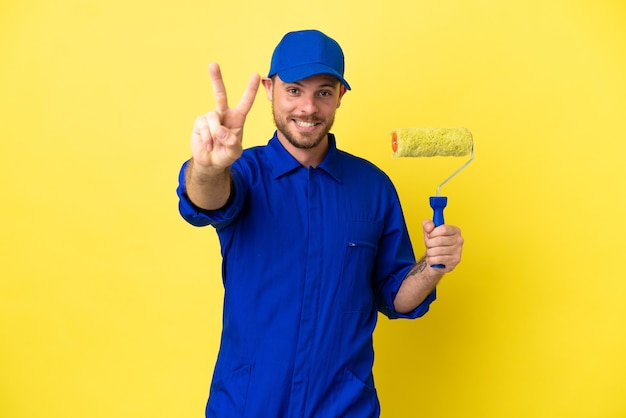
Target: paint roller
[433, 142]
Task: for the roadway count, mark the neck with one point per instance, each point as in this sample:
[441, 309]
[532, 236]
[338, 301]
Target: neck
[308, 157]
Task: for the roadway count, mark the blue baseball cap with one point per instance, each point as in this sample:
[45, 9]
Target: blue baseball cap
[307, 53]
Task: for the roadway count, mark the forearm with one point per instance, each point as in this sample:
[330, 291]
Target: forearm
[418, 284]
[207, 188]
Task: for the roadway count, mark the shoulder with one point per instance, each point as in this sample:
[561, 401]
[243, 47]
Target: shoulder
[362, 167]
[251, 158]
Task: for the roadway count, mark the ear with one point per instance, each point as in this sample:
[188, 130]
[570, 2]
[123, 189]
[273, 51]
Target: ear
[342, 91]
[269, 85]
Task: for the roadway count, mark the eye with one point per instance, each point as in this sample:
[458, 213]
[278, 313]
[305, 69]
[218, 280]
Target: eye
[325, 93]
[292, 90]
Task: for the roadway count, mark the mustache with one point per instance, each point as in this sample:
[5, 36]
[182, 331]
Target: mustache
[313, 119]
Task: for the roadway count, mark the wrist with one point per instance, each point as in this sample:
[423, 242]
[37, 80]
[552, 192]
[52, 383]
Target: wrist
[426, 272]
[201, 171]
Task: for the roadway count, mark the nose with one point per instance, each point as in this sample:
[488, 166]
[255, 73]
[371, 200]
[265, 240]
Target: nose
[308, 105]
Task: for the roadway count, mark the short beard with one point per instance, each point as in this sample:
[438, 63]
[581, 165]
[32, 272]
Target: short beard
[282, 128]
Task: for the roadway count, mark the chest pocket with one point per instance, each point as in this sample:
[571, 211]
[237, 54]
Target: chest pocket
[360, 255]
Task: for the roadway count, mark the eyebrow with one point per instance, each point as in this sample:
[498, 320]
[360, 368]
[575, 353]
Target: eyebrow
[330, 82]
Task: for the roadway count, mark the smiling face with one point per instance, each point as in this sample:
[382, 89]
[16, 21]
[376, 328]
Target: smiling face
[304, 111]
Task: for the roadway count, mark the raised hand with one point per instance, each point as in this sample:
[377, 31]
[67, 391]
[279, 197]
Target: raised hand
[216, 139]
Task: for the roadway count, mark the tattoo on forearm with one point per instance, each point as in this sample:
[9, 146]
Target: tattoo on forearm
[419, 267]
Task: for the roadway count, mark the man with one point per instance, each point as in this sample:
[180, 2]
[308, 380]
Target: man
[313, 242]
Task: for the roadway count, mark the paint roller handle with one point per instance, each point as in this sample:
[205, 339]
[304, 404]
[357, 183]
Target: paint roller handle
[438, 203]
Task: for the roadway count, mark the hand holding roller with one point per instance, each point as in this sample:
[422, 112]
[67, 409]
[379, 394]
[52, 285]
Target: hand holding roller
[432, 142]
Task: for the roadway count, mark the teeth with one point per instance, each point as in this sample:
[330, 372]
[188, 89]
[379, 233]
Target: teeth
[305, 124]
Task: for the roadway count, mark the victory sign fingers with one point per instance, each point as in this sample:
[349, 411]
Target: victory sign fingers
[216, 139]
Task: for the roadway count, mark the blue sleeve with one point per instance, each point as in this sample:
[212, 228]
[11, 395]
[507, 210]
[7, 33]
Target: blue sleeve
[217, 218]
[388, 292]
[394, 261]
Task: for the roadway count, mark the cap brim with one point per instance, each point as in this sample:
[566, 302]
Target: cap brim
[292, 75]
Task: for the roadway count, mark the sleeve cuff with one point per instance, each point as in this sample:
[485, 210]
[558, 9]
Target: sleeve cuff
[218, 218]
[390, 289]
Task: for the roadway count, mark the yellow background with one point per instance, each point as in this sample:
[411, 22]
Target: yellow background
[110, 304]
